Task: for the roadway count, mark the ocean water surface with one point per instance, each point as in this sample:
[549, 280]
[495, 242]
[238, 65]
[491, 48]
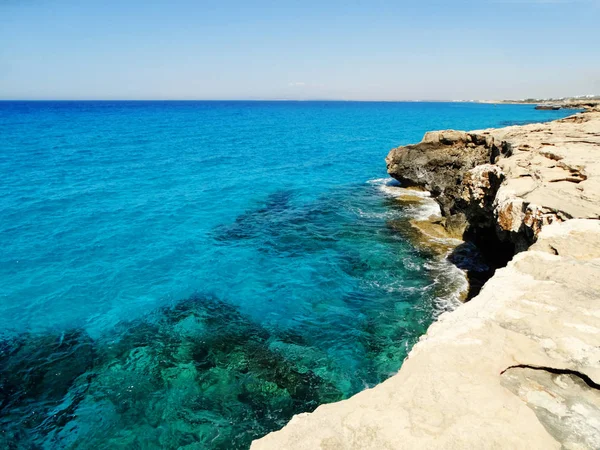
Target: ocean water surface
[192, 274]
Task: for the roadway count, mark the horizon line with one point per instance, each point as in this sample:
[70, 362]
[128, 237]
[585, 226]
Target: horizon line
[251, 100]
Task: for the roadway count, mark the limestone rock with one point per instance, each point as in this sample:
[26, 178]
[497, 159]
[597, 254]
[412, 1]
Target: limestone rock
[439, 163]
[477, 193]
[553, 175]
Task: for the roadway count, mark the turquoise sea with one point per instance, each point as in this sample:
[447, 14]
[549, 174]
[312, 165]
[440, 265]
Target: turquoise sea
[192, 274]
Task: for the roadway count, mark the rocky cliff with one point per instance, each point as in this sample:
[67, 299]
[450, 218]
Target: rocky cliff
[506, 184]
[519, 365]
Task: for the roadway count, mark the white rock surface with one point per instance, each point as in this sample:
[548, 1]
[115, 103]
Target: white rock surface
[553, 174]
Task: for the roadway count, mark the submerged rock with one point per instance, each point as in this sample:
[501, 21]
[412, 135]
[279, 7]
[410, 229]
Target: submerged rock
[213, 375]
[42, 381]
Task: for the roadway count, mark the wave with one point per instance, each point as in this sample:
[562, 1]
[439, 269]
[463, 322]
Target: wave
[450, 282]
[393, 188]
[422, 206]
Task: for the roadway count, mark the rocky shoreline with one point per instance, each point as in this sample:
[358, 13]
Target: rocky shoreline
[519, 365]
[586, 102]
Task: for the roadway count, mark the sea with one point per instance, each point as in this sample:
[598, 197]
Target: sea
[190, 275]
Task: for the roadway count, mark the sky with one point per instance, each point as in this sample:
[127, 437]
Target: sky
[309, 49]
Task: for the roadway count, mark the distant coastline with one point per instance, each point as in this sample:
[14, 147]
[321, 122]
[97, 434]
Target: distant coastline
[589, 102]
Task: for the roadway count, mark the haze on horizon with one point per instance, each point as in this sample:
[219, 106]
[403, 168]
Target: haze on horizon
[343, 50]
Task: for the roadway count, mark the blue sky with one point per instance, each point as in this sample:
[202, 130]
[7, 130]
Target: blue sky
[233, 49]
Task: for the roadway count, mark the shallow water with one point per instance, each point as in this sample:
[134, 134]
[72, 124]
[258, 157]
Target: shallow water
[194, 273]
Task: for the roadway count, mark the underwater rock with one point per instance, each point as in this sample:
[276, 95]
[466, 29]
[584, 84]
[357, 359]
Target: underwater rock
[215, 376]
[36, 374]
[202, 373]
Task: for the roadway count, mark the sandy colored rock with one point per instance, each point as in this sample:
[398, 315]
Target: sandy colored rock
[561, 166]
[548, 172]
[433, 236]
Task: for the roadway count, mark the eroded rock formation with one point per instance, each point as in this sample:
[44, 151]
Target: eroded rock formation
[440, 162]
[510, 182]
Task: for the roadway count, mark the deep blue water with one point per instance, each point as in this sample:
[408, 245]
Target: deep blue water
[194, 273]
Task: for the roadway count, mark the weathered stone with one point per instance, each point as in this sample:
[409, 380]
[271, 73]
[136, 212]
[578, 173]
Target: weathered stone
[557, 178]
[439, 163]
[477, 193]
[563, 402]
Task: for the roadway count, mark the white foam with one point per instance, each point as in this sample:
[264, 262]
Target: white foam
[392, 188]
[451, 281]
[390, 214]
[427, 209]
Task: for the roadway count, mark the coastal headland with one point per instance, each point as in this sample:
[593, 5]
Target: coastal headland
[589, 102]
[517, 366]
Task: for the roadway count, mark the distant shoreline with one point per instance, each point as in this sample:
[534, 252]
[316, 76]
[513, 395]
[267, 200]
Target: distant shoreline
[589, 103]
